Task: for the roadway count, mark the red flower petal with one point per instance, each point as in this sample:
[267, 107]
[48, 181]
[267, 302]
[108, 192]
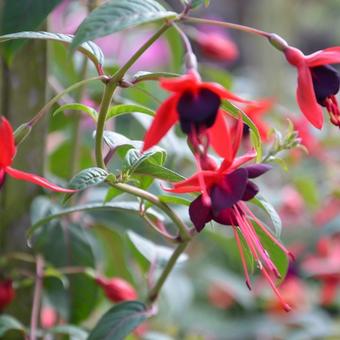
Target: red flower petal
[7, 145]
[243, 159]
[219, 135]
[222, 92]
[28, 177]
[327, 56]
[166, 116]
[306, 97]
[189, 81]
[192, 184]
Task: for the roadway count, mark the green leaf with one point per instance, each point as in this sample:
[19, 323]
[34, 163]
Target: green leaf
[198, 3]
[78, 107]
[73, 331]
[146, 75]
[22, 15]
[153, 252]
[174, 200]
[254, 132]
[262, 203]
[91, 207]
[276, 254]
[117, 15]
[116, 141]
[8, 323]
[87, 178]
[119, 110]
[89, 49]
[120, 321]
[307, 188]
[158, 171]
[135, 158]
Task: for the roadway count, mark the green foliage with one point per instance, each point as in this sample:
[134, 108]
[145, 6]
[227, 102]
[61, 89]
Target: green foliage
[117, 15]
[19, 16]
[120, 321]
[119, 110]
[70, 330]
[8, 323]
[262, 203]
[89, 49]
[77, 107]
[87, 178]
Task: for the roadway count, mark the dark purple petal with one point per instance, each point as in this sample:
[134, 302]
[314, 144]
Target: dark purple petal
[2, 177]
[326, 82]
[198, 109]
[256, 170]
[251, 191]
[226, 217]
[199, 213]
[229, 191]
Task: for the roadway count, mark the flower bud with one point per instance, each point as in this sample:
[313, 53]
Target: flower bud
[117, 289]
[21, 133]
[7, 293]
[48, 317]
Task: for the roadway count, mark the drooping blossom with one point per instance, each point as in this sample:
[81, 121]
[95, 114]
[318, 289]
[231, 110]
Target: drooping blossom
[7, 293]
[228, 188]
[325, 266]
[117, 289]
[217, 46]
[318, 83]
[7, 153]
[196, 106]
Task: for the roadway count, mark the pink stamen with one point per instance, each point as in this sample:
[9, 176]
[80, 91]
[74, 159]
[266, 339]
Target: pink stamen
[332, 107]
[266, 231]
[243, 259]
[285, 305]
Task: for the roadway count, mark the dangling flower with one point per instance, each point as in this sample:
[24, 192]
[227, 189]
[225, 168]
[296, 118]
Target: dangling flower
[7, 153]
[228, 188]
[196, 105]
[318, 83]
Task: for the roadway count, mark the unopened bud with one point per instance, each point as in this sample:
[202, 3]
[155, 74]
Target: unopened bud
[7, 293]
[278, 42]
[22, 132]
[117, 289]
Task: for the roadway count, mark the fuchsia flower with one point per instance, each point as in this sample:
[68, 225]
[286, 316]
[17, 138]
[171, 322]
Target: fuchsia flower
[318, 83]
[228, 188]
[196, 105]
[7, 153]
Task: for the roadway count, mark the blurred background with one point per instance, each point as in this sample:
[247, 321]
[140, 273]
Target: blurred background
[206, 297]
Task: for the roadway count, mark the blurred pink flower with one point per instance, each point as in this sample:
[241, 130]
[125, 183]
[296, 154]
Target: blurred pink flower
[292, 206]
[325, 266]
[220, 295]
[328, 211]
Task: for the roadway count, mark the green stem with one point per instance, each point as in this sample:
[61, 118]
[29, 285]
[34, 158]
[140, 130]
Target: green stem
[104, 107]
[227, 25]
[153, 294]
[110, 88]
[183, 231]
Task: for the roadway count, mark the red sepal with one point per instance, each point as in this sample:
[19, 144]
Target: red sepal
[28, 177]
[7, 144]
